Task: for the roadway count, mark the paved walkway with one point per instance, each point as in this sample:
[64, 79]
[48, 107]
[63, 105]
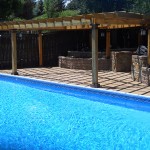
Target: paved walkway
[117, 81]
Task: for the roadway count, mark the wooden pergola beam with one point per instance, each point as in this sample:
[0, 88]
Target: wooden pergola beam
[129, 15]
[112, 19]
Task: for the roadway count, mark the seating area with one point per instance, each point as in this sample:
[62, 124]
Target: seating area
[83, 60]
[94, 23]
[120, 61]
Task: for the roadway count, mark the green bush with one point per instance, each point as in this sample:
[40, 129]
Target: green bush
[66, 13]
[44, 16]
[18, 19]
[61, 14]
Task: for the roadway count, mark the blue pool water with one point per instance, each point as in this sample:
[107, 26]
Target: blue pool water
[36, 115]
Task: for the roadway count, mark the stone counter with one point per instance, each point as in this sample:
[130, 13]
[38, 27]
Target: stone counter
[83, 63]
[121, 61]
[80, 54]
[136, 68]
[145, 75]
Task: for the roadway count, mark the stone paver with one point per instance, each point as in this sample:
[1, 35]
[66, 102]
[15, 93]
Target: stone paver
[117, 81]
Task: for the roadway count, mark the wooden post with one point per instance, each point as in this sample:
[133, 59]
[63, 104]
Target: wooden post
[108, 44]
[95, 56]
[139, 38]
[40, 49]
[14, 52]
[148, 45]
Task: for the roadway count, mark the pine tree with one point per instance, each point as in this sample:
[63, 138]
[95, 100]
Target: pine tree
[94, 6]
[139, 6]
[39, 8]
[9, 8]
[80, 5]
[53, 7]
[28, 7]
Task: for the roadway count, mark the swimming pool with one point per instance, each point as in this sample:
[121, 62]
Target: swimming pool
[44, 115]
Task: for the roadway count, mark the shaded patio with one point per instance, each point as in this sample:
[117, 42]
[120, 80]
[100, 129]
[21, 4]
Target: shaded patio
[117, 81]
[93, 22]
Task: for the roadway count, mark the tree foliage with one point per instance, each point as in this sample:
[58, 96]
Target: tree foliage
[139, 6]
[27, 9]
[53, 7]
[66, 13]
[86, 6]
[39, 8]
[9, 8]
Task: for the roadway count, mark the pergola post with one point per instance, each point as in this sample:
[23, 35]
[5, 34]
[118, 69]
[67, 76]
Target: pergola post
[95, 56]
[139, 38]
[40, 49]
[14, 52]
[148, 45]
[107, 44]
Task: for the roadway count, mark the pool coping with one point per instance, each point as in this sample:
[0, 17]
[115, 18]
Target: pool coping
[139, 102]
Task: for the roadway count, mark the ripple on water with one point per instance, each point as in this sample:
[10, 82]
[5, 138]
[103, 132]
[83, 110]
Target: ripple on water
[35, 119]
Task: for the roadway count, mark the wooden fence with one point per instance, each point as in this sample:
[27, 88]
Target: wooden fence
[55, 44]
[59, 43]
[27, 50]
[5, 50]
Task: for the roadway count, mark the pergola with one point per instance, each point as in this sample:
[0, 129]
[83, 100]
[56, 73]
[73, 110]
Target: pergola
[93, 22]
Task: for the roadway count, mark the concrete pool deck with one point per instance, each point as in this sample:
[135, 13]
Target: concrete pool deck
[117, 81]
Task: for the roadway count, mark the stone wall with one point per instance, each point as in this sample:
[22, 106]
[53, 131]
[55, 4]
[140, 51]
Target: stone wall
[80, 54]
[145, 76]
[137, 63]
[83, 63]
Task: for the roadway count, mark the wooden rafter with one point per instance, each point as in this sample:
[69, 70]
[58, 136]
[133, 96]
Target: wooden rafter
[108, 20]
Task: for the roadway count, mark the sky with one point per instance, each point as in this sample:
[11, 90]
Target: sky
[66, 1]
